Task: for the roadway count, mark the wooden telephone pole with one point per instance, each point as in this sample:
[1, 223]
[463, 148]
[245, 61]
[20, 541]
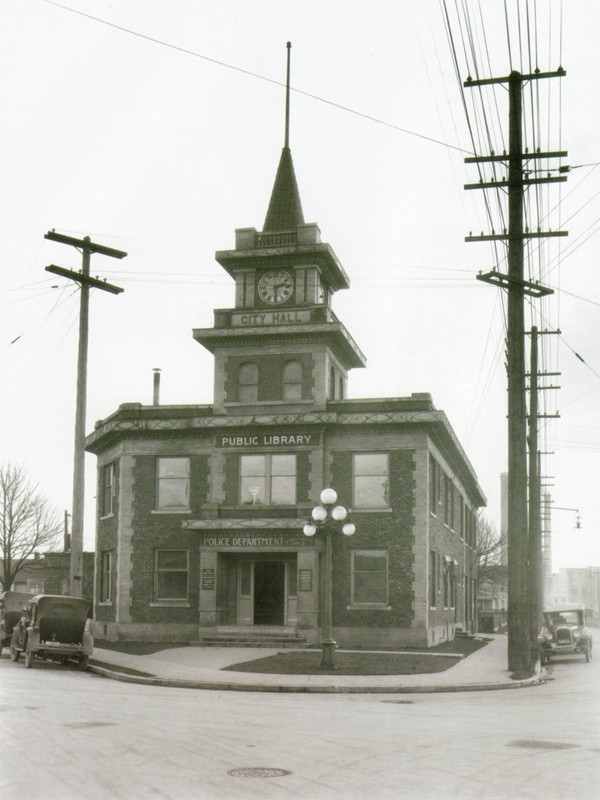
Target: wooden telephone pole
[519, 636]
[86, 282]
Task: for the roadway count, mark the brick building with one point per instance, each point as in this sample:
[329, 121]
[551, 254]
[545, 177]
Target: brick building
[201, 508]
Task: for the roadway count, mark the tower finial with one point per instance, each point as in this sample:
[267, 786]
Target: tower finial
[287, 98]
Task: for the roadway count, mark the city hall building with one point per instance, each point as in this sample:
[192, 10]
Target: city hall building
[201, 508]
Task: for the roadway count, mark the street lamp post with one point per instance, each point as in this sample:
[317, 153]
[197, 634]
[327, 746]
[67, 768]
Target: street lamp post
[324, 516]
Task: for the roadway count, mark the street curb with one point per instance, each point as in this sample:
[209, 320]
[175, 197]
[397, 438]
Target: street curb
[534, 680]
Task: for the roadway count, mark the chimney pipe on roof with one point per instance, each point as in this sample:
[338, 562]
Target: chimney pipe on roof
[156, 394]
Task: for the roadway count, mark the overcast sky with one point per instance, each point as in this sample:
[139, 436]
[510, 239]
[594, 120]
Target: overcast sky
[156, 128]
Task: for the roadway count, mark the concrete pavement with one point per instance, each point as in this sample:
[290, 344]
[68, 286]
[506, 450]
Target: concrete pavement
[203, 668]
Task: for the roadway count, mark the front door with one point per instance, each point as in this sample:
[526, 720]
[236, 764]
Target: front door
[269, 592]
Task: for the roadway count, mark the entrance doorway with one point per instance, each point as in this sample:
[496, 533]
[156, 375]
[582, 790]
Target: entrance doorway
[269, 592]
[261, 596]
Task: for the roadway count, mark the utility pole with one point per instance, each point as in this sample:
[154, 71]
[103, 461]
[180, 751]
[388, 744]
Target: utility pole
[536, 572]
[519, 656]
[86, 282]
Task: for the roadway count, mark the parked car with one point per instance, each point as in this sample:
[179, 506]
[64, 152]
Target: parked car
[53, 627]
[565, 631]
[11, 611]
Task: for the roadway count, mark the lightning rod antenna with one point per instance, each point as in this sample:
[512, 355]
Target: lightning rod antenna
[287, 98]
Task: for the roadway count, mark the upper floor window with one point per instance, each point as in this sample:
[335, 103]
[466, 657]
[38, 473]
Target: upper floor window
[108, 490]
[171, 575]
[370, 475]
[173, 483]
[434, 485]
[292, 380]
[248, 382]
[268, 479]
[369, 577]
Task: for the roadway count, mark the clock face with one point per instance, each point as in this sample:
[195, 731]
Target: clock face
[275, 286]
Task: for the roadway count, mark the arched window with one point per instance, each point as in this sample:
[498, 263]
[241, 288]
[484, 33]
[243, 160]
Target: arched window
[292, 380]
[248, 383]
[341, 389]
[332, 384]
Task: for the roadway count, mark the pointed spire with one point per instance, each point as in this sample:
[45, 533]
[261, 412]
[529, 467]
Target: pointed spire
[285, 209]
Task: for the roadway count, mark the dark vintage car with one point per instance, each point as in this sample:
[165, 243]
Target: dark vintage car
[11, 611]
[53, 627]
[565, 632]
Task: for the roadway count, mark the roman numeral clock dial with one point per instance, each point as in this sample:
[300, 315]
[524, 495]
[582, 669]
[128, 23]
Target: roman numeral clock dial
[275, 287]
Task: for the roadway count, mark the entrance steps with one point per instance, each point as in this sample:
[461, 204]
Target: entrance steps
[237, 636]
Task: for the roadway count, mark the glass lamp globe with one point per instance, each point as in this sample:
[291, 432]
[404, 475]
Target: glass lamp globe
[339, 513]
[309, 529]
[328, 497]
[348, 529]
[319, 514]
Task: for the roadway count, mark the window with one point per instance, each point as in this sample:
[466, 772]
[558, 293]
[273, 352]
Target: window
[171, 575]
[331, 383]
[106, 576]
[268, 480]
[292, 380]
[341, 388]
[448, 502]
[108, 490]
[173, 483]
[371, 480]
[434, 491]
[248, 383]
[369, 577]
[433, 574]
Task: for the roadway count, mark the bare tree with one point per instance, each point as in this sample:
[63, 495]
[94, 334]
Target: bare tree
[492, 572]
[27, 522]
[491, 546]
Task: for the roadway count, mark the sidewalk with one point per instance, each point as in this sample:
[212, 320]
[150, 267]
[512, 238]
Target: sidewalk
[202, 668]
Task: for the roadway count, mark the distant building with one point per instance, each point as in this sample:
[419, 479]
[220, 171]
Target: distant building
[201, 508]
[577, 585]
[48, 573]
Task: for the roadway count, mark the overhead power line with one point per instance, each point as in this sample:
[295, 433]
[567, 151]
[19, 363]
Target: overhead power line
[252, 74]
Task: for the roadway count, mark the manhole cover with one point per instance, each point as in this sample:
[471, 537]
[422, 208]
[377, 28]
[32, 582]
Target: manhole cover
[258, 772]
[542, 745]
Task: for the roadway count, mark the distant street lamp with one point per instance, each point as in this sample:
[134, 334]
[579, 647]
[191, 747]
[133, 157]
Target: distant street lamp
[324, 516]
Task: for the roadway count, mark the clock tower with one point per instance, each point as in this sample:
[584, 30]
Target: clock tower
[281, 348]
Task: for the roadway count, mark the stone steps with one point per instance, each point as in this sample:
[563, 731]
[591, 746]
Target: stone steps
[262, 638]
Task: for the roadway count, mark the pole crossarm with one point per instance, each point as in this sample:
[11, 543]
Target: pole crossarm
[504, 157]
[503, 184]
[506, 281]
[532, 76]
[94, 283]
[495, 237]
[90, 246]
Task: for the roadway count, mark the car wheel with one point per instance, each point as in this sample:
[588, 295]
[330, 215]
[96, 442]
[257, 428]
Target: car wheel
[83, 663]
[14, 653]
[29, 656]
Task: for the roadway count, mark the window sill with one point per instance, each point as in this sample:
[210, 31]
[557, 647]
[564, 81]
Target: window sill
[107, 516]
[171, 511]
[368, 607]
[170, 604]
[105, 604]
[387, 510]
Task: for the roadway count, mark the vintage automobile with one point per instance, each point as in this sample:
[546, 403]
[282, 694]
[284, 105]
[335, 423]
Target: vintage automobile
[53, 627]
[565, 632]
[11, 611]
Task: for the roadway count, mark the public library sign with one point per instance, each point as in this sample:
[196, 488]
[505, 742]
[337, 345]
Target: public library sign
[266, 439]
